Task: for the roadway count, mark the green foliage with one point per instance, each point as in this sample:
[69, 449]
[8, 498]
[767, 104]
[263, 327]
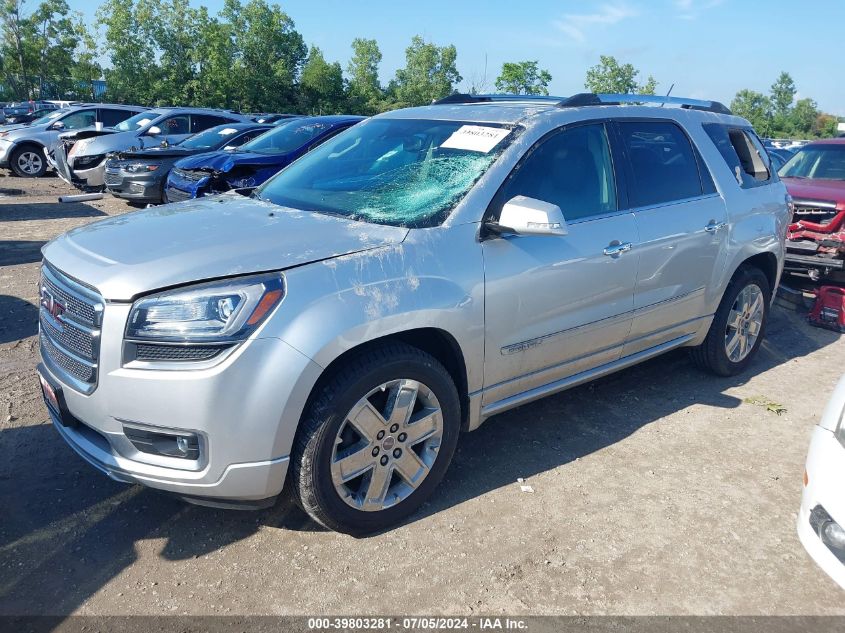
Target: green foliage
[609, 76]
[776, 115]
[756, 107]
[523, 78]
[322, 85]
[365, 92]
[429, 74]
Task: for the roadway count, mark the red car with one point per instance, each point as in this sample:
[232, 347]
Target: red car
[815, 178]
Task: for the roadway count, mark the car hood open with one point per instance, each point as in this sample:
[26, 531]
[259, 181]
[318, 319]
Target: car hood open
[171, 245]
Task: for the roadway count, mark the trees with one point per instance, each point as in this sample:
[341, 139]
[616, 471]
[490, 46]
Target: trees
[756, 107]
[776, 115]
[609, 76]
[321, 85]
[429, 74]
[364, 89]
[523, 78]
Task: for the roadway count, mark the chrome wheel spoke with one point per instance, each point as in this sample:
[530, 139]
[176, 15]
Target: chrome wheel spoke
[377, 488]
[366, 420]
[734, 319]
[411, 468]
[419, 430]
[354, 464]
[403, 399]
[732, 345]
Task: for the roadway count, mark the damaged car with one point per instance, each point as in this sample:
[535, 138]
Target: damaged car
[23, 147]
[333, 332]
[256, 161]
[140, 175]
[81, 157]
[815, 177]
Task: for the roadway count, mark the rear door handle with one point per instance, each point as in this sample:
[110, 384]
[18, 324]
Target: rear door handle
[617, 249]
[714, 226]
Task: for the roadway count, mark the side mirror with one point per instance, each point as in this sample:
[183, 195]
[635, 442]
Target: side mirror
[58, 125]
[154, 131]
[522, 215]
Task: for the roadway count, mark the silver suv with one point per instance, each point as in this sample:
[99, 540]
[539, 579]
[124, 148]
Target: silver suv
[23, 145]
[431, 267]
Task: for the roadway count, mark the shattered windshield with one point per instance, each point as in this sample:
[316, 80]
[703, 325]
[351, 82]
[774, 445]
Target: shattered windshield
[404, 172]
[138, 121]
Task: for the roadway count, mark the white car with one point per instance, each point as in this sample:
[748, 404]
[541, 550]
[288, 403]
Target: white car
[822, 515]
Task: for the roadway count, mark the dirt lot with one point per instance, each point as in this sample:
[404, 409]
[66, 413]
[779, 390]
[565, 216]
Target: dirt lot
[657, 490]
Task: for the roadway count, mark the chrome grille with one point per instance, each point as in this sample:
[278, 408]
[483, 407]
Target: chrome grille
[70, 316]
[177, 195]
[113, 177]
[820, 211]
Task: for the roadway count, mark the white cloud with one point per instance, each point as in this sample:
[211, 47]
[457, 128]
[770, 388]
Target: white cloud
[576, 25]
[691, 9]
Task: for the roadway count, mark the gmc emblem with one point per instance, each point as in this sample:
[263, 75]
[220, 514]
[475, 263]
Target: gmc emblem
[51, 304]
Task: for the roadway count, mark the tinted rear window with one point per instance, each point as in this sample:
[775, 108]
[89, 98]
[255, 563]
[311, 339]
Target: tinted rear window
[662, 165]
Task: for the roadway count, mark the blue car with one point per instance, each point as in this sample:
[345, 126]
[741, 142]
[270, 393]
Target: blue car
[255, 161]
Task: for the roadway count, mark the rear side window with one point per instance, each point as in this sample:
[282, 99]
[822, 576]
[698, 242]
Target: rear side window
[743, 153]
[110, 118]
[661, 163]
[200, 122]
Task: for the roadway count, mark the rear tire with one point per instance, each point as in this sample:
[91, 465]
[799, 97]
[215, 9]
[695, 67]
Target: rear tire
[376, 439]
[28, 161]
[738, 326]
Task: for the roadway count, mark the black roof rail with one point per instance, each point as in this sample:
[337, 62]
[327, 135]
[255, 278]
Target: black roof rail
[593, 99]
[459, 97]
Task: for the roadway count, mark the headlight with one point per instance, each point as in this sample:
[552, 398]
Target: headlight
[218, 312]
[4, 134]
[134, 168]
[86, 162]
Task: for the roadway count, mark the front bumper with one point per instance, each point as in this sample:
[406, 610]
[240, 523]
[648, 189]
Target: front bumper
[93, 177]
[245, 410]
[144, 187]
[825, 477]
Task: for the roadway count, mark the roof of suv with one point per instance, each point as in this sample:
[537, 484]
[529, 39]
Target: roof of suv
[514, 108]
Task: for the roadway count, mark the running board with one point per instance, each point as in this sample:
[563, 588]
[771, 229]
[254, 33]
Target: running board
[578, 379]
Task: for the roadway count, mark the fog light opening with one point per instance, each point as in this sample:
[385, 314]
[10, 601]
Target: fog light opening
[167, 444]
[829, 531]
[833, 535]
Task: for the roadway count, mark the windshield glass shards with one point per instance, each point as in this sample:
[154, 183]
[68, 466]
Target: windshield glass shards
[404, 172]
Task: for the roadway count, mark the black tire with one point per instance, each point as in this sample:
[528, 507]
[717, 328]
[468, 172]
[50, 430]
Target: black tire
[712, 354]
[310, 472]
[23, 150]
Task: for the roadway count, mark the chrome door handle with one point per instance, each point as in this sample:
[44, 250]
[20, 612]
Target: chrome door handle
[618, 249]
[712, 227]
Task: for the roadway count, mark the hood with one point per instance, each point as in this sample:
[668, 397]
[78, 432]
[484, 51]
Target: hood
[224, 161]
[114, 142]
[26, 128]
[173, 151]
[203, 239]
[816, 189]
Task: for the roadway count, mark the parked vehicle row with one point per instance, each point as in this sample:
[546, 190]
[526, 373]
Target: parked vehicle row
[337, 327]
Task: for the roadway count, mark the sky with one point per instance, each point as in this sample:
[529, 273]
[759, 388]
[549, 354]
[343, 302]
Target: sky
[708, 49]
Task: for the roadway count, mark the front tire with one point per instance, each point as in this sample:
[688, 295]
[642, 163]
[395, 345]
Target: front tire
[28, 162]
[739, 324]
[376, 439]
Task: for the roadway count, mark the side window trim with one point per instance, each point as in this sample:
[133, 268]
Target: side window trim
[628, 167]
[496, 202]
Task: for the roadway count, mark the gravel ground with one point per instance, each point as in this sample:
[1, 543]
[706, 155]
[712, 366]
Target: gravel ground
[658, 490]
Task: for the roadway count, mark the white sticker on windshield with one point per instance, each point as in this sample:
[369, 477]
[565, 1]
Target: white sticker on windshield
[143, 122]
[476, 138]
[226, 131]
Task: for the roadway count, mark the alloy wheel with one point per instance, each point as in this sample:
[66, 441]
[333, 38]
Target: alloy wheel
[745, 321]
[30, 162]
[386, 445]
